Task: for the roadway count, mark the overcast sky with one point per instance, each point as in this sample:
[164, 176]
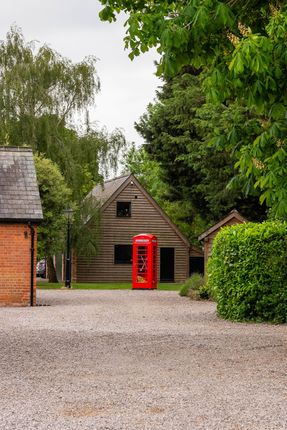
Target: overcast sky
[72, 28]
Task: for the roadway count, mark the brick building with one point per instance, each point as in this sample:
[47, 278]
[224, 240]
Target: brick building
[20, 213]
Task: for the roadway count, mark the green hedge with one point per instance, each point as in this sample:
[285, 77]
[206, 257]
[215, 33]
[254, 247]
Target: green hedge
[247, 272]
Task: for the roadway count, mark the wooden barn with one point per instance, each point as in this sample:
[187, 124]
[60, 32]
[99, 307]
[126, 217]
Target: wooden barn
[208, 236]
[127, 210]
[20, 212]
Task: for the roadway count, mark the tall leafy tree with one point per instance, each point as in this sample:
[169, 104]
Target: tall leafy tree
[177, 129]
[41, 95]
[240, 47]
[55, 196]
[152, 176]
[84, 156]
[43, 98]
[40, 83]
[148, 171]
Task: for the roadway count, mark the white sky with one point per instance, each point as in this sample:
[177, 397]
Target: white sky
[73, 28]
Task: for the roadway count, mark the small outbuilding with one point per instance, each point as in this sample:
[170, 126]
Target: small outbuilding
[208, 236]
[20, 213]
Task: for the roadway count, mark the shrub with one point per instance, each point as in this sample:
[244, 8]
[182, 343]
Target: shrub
[194, 287]
[247, 272]
[203, 292]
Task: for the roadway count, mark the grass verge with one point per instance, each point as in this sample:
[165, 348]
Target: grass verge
[43, 285]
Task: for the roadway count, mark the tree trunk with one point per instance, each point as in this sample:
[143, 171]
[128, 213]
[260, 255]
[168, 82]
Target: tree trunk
[52, 276]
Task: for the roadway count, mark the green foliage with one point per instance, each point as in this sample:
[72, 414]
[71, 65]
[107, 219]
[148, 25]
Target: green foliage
[178, 28]
[240, 48]
[204, 293]
[84, 157]
[152, 177]
[195, 288]
[41, 95]
[147, 171]
[150, 174]
[247, 272]
[174, 27]
[55, 197]
[40, 82]
[86, 227]
[184, 290]
[194, 175]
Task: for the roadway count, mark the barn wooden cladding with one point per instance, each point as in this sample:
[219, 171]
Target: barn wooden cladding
[128, 210]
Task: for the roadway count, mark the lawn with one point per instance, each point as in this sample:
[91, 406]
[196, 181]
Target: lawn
[43, 285]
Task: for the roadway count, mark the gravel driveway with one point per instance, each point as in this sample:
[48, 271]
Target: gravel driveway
[138, 360]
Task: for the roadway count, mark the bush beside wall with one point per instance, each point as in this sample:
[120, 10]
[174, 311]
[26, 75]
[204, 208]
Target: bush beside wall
[195, 288]
[247, 272]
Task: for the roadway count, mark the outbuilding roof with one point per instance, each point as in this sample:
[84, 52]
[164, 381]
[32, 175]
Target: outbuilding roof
[234, 214]
[19, 193]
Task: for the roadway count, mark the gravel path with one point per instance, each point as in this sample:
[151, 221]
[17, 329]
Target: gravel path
[138, 360]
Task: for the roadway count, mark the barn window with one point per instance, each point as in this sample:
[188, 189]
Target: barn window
[123, 209]
[123, 254]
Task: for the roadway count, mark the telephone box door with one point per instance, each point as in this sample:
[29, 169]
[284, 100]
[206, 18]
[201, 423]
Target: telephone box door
[144, 262]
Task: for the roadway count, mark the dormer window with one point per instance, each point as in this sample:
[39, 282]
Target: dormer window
[123, 209]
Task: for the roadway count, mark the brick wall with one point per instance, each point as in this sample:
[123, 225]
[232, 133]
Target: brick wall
[15, 265]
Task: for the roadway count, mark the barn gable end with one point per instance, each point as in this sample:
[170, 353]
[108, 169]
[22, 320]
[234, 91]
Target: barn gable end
[145, 217]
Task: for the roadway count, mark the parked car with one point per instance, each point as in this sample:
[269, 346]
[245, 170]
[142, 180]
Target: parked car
[41, 268]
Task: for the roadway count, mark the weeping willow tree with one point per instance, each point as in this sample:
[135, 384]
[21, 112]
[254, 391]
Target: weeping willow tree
[39, 83]
[43, 97]
[44, 104]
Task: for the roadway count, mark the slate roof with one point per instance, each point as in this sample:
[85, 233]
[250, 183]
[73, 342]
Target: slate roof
[103, 192]
[19, 193]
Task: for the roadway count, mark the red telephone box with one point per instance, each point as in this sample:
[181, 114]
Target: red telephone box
[145, 261]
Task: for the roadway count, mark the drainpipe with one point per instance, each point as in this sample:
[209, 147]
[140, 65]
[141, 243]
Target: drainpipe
[32, 262]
